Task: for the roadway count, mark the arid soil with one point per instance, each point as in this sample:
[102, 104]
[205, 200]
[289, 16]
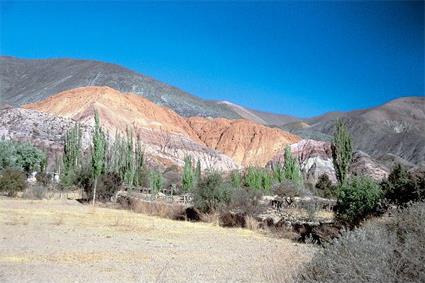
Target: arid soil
[64, 241]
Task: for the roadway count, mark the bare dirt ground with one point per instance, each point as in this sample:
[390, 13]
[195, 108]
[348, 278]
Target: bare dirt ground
[64, 241]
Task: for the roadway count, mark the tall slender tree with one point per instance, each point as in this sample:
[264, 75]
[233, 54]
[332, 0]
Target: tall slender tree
[291, 169]
[342, 151]
[98, 153]
[188, 175]
[71, 155]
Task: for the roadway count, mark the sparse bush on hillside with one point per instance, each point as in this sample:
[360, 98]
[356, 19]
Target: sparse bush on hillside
[402, 187]
[22, 156]
[390, 251]
[236, 179]
[357, 198]
[211, 193]
[12, 181]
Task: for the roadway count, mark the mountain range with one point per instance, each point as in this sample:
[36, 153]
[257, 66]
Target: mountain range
[173, 123]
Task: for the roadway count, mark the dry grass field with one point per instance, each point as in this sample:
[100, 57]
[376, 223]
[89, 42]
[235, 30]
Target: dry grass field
[64, 241]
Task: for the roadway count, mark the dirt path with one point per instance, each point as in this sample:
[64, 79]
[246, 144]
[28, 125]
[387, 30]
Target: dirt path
[54, 241]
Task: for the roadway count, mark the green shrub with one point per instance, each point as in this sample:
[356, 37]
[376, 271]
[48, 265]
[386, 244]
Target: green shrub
[357, 198]
[325, 188]
[12, 181]
[235, 179]
[156, 181]
[43, 178]
[188, 178]
[291, 168]
[380, 251]
[401, 187]
[211, 193]
[258, 178]
[22, 156]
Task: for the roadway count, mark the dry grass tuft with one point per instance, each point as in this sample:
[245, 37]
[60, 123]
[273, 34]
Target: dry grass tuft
[212, 218]
[251, 223]
[158, 208]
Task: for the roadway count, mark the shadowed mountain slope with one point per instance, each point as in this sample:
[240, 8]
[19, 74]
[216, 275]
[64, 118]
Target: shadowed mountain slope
[25, 81]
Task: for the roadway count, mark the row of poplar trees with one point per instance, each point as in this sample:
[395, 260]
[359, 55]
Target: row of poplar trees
[122, 156]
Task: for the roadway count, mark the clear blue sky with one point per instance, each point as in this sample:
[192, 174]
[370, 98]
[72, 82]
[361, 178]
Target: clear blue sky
[294, 58]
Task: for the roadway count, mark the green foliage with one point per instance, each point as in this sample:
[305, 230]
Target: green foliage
[71, 156]
[258, 178]
[197, 173]
[325, 187]
[188, 179]
[357, 198]
[291, 169]
[402, 187]
[98, 153]
[342, 151]
[211, 193]
[23, 156]
[235, 179]
[12, 181]
[278, 172]
[156, 181]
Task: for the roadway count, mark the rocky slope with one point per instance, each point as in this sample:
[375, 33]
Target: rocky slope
[264, 118]
[162, 129]
[397, 127]
[25, 81]
[315, 158]
[246, 142]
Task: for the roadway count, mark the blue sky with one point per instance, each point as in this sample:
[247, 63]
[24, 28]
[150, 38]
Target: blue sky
[301, 58]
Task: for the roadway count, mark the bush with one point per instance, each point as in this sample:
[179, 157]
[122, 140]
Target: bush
[211, 193]
[23, 156]
[402, 187]
[43, 178]
[12, 181]
[246, 201]
[107, 186]
[391, 251]
[289, 189]
[325, 187]
[156, 181]
[357, 198]
[258, 178]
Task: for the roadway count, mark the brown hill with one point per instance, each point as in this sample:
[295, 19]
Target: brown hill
[246, 142]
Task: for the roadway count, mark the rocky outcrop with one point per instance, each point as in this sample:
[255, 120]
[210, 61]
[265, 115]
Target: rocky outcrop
[362, 164]
[47, 132]
[315, 159]
[246, 142]
[165, 133]
[44, 130]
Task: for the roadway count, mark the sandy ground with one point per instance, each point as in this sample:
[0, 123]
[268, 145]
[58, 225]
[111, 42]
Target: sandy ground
[64, 241]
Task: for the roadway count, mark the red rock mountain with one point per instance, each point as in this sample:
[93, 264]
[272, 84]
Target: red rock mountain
[246, 142]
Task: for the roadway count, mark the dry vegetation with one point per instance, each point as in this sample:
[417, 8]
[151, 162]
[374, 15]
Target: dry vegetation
[64, 241]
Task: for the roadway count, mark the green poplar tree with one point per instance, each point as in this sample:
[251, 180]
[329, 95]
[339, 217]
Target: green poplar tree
[291, 169]
[71, 155]
[188, 175]
[342, 151]
[98, 153]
